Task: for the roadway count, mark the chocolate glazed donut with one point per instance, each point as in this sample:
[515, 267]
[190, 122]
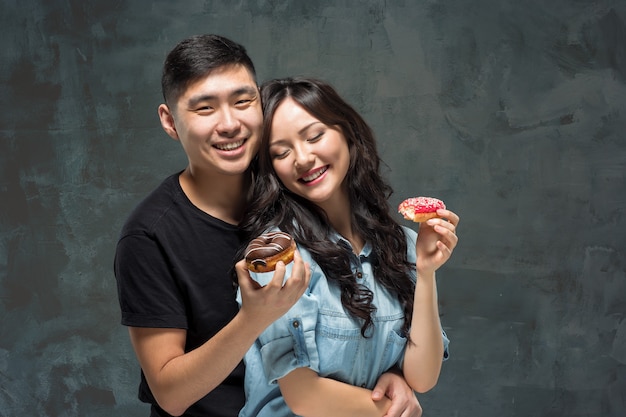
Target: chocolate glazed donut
[265, 251]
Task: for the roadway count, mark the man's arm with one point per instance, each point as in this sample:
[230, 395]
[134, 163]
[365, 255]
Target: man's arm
[178, 379]
[404, 402]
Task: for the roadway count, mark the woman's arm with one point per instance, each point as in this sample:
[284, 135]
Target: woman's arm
[309, 395]
[423, 357]
[424, 354]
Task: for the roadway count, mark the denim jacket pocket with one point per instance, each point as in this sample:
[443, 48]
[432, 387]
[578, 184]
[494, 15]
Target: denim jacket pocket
[344, 345]
[393, 355]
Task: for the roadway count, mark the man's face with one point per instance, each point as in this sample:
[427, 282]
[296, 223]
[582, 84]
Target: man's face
[218, 121]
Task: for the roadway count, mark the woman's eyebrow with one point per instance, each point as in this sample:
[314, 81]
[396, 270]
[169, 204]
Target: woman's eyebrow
[305, 128]
[278, 142]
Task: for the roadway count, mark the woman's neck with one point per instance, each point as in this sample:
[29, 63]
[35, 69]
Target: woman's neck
[340, 217]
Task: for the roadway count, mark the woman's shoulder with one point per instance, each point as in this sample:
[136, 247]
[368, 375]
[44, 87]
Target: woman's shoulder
[409, 233]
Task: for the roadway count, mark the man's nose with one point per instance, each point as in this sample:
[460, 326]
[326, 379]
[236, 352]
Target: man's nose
[228, 123]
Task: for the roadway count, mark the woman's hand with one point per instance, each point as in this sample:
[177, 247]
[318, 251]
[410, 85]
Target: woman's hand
[435, 241]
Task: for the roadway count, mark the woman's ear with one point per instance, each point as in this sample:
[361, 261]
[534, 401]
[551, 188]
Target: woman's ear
[167, 121]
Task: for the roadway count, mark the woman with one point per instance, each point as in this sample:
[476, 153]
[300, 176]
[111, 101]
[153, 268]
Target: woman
[364, 312]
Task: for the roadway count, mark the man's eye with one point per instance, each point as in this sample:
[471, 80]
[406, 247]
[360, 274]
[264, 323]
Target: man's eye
[244, 102]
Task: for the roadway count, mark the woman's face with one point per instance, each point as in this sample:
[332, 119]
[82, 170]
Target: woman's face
[310, 158]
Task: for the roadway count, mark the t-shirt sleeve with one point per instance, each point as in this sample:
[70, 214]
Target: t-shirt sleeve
[147, 290]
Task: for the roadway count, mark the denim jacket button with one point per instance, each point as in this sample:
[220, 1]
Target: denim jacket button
[296, 324]
[359, 274]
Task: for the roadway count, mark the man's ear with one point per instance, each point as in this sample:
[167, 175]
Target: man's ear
[167, 121]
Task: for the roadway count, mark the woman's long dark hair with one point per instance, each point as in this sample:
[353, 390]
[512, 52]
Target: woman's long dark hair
[273, 205]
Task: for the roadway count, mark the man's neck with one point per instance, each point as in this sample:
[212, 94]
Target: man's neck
[222, 197]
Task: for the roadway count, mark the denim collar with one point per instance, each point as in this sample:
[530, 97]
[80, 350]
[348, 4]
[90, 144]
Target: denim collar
[337, 239]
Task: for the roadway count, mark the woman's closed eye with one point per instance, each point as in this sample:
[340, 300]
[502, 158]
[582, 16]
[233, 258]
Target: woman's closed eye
[280, 154]
[316, 137]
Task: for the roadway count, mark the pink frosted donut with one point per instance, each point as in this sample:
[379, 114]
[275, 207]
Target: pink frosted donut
[420, 209]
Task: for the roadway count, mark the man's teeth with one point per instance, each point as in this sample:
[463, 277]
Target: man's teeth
[229, 146]
[316, 174]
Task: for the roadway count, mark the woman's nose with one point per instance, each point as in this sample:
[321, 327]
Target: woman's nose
[302, 158]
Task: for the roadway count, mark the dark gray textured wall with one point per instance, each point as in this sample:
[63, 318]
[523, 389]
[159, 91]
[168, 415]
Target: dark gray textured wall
[512, 111]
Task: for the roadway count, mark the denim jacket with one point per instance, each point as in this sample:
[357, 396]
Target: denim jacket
[317, 333]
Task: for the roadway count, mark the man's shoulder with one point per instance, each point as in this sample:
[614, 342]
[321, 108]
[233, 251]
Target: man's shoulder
[154, 207]
[168, 212]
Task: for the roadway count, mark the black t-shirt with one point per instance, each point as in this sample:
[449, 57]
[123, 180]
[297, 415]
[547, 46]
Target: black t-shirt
[173, 267]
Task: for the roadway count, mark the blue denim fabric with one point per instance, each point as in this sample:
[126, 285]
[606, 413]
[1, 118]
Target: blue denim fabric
[317, 333]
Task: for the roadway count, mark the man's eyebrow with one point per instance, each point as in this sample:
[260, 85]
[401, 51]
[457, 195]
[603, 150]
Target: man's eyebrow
[244, 90]
[195, 100]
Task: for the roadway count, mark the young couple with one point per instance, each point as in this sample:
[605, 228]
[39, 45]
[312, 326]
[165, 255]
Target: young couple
[352, 331]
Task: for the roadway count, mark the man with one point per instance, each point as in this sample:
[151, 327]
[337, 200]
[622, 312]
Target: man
[176, 251]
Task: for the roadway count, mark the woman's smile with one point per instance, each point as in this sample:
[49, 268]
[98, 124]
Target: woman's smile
[313, 175]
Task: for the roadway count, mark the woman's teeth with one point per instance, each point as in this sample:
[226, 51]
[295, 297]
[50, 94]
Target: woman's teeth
[315, 175]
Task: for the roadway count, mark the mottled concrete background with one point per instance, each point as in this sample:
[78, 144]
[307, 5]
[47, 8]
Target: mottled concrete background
[512, 111]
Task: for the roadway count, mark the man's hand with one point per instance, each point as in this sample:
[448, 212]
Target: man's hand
[404, 403]
[267, 304]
